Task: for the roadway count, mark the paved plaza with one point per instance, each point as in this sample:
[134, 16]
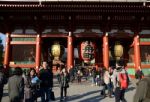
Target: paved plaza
[83, 92]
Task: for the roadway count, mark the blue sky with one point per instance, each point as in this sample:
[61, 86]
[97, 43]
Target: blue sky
[3, 37]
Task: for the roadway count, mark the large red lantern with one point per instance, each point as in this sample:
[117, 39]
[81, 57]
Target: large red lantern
[87, 51]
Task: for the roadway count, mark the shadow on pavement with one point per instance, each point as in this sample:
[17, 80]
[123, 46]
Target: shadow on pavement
[78, 96]
[5, 94]
[130, 89]
[93, 99]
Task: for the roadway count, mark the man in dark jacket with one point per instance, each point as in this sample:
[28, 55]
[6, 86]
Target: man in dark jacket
[16, 86]
[46, 77]
[143, 90]
[3, 81]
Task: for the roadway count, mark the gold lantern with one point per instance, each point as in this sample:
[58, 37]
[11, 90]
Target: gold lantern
[56, 50]
[118, 50]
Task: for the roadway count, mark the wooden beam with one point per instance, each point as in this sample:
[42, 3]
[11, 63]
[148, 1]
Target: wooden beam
[145, 66]
[144, 43]
[87, 35]
[22, 65]
[24, 35]
[54, 35]
[23, 42]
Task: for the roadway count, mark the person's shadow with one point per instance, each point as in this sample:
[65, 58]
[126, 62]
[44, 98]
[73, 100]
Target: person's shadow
[79, 96]
[130, 89]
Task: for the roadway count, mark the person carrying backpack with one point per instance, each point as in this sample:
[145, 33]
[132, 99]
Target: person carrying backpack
[120, 82]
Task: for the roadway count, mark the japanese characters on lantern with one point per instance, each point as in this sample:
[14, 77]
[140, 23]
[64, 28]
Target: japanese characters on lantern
[87, 51]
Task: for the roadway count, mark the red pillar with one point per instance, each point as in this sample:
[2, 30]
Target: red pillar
[7, 51]
[38, 52]
[105, 51]
[137, 59]
[70, 52]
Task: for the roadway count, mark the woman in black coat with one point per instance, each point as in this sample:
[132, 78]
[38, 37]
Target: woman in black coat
[64, 84]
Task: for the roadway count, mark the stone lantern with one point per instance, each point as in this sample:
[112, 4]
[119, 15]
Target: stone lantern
[118, 50]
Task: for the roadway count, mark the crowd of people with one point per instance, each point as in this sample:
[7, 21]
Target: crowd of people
[28, 87]
[109, 79]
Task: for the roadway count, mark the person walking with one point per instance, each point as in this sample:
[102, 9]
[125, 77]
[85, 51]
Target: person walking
[32, 86]
[71, 73]
[46, 77]
[107, 82]
[142, 93]
[16, 86]
[3, 81]
[119, 91]
[79, 75]
[93, 76]
[64, 84]
[102, 84]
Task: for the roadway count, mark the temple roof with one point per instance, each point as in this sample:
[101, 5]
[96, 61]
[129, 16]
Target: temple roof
[76, 0]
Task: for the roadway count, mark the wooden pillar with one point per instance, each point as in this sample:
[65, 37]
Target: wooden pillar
[105, 50]
[137, 59]
[7, 51]
[38, 52]
[70, 52]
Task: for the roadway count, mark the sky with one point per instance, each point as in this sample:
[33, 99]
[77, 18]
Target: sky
[3, 37]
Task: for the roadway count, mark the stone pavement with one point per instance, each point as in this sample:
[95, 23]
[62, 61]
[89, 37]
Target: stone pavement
[83, 92]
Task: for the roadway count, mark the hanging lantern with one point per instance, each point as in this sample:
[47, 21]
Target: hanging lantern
[118, 50]
[57, 50]
[87, 51]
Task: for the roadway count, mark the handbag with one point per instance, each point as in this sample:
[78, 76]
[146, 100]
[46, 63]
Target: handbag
[37, 92]
[102, 82]
[67, 85]
[52, 96]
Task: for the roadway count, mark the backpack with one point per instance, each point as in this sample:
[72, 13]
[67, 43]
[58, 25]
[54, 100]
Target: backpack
[123, 80]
